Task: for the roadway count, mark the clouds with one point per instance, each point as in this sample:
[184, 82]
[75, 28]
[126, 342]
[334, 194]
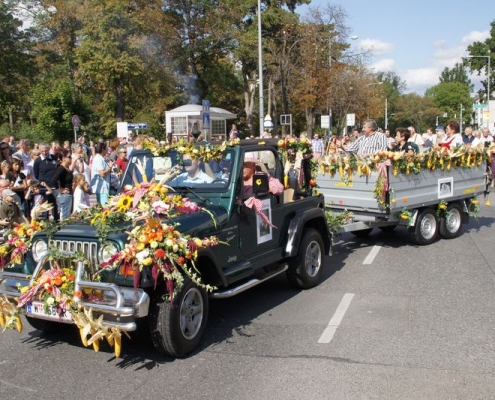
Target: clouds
[376, 47]
[391, 56]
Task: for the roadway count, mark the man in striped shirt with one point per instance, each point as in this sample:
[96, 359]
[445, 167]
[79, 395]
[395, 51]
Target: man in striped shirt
[370, 142]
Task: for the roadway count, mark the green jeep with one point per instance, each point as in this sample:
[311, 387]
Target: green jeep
[286, 235]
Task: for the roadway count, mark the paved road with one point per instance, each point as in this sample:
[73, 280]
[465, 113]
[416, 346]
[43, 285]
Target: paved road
[408, 322]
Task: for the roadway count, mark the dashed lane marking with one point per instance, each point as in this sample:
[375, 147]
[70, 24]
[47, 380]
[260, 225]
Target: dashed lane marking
[374, 251]
[336, 319]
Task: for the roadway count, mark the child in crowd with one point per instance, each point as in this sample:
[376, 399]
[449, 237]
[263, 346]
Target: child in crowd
[81, 193]
[37, 199]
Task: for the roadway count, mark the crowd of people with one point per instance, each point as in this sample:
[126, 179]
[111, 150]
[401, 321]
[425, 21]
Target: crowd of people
[53, 181]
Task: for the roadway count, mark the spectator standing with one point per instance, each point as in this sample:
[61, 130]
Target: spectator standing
[81, 189]
[55, 149]
[80, 162]
[100, 174]
[63, 180]
[234, 133]
[36, 197]
[317, 146]
[23, 154]
[122, 161]
[10, 210]
[33, 154]
[5, 152]
[18, 181]
[43, 169]
[370, 142]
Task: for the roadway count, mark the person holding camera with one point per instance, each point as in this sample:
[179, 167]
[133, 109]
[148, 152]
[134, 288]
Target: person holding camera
[100, 174]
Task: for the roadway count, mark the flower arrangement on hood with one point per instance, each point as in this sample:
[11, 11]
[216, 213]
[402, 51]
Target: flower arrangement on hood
[153, 241]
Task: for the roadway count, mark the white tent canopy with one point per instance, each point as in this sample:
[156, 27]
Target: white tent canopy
[187, 121]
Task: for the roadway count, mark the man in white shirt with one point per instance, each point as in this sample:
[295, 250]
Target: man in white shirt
[486, 138]
[415, 138]
[193, 174]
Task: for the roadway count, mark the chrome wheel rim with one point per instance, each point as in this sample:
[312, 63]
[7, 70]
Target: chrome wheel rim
[191, 313]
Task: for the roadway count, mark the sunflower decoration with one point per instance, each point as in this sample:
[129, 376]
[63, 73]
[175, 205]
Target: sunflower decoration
[124, 203]
[442, 209]
[406, 216]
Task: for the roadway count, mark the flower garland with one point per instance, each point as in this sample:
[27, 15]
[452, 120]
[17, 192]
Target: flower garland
[18, 242]
[206, 152]
[400, 162]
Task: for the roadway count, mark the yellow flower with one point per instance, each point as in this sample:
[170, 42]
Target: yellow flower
[124, 203]
[140, 246]
[147, 261]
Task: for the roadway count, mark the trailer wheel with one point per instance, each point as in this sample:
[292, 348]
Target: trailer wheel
[451, 225]
[425, 231]
[362, 232]
[177, 327]
[305, 270]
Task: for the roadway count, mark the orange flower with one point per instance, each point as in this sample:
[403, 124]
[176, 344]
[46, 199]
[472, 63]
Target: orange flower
[181, 260]
[77, 293]
[58, 280]
[160, 253]
[143, 238]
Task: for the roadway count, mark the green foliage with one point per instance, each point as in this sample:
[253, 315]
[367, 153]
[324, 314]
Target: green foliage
[55, 101]
[449, 96]
[456, 74]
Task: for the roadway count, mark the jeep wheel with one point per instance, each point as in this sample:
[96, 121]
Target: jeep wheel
[177, 327]
[306, 268]
[47, 326]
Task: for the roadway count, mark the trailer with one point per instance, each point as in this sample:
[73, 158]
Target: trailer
[430, 204]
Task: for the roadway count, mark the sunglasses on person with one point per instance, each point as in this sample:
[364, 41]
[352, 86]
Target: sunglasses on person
[4, 148]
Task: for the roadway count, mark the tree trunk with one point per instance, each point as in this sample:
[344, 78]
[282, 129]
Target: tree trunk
[120, 100]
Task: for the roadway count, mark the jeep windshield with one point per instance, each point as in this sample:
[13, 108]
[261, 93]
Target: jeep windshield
[183, 170]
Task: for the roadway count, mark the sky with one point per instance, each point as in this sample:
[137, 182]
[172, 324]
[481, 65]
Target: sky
[416, 39]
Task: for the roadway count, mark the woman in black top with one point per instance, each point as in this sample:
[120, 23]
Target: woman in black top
[402, 136]
[62, 181]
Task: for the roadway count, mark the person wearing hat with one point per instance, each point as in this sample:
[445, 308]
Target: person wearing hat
[249, 169]
[9, 210]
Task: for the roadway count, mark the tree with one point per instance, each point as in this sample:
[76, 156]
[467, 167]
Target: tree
[485, 49]
[456, 74]
[449, 97]
[16, 70]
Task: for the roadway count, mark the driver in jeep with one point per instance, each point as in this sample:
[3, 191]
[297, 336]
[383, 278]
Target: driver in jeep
[193, 174]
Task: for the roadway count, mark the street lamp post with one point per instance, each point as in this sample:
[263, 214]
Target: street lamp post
[260, 70]
[489, 73]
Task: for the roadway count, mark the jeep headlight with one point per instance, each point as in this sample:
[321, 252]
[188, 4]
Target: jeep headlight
[39, 249]
[107, 251]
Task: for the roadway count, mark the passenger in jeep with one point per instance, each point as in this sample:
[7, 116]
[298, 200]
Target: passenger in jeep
[193, 174]
[248, 172]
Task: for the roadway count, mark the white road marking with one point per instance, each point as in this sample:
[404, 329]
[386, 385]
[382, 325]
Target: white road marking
[374, 251]
[337, 317]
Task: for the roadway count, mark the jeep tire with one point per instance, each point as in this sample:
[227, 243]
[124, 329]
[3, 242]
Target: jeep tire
[305, 270]
[177, 327]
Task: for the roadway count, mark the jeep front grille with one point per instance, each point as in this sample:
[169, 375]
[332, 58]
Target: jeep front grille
[89, 249]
